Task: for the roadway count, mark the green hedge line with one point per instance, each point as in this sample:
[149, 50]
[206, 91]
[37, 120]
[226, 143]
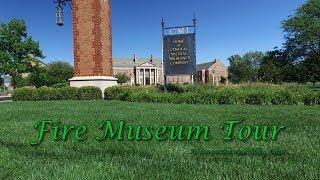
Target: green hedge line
[276, 95]
[48, 93]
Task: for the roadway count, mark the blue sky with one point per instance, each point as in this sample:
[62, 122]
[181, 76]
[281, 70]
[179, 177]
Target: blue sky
[225, 27]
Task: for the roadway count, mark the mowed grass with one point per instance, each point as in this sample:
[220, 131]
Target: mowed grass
[161, 160]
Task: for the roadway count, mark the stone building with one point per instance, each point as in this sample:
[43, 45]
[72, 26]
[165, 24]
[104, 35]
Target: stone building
[148, 71]
[212, 72]
[142, 71]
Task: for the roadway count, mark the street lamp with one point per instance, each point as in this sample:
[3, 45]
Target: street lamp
[59, 10]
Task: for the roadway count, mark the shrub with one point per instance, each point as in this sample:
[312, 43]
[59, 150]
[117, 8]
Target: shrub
[254, 94]
[24, 94]
[122, 78]
[116, 93]
[89, 93]
[61, 85]
[285, 96]
[227, 96]
[46, 93]
[311, 98]
[256, 97]
[20, 81]
[175, 88]
[68, 93]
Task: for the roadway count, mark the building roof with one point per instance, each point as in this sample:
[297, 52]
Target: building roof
[129, 63]
[205, 66]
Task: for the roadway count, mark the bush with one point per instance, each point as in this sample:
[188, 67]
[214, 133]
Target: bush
[49, 93]
[116, 93]
[253, 94]
[24, 94]
[61, 85]
[20, 81]
[46, 93]
[285, 96]
[68, 93]
[89, 93]
[311, 98]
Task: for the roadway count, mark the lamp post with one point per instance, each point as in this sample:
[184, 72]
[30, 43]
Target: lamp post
[59, 10]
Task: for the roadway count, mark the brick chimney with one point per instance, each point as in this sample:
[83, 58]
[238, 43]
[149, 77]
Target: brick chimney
[134, 58]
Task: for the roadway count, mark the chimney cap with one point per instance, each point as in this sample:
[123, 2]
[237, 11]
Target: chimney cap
[134, 57]
[151, 60]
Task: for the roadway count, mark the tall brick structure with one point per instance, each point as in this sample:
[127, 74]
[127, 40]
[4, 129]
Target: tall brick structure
[92, 37]
[92, 30]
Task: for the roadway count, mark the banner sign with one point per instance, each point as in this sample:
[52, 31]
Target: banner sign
[179, 54]
[7, 80]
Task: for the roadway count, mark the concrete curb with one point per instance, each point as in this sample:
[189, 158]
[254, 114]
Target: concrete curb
[5, 98]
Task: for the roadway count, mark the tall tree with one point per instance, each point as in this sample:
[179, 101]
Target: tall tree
[276, 67]
[18, 51]
[59, 72]
[303, 31]
[245, 68]
[303, 40]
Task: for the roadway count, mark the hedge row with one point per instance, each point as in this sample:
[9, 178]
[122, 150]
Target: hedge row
[226, 95]
[48, 93]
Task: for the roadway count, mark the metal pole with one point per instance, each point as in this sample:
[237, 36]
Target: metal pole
[195, 49]
[4, 88]
[164, 73]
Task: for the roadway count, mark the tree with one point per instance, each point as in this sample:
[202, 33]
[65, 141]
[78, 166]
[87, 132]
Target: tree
[303, 31]
[272, 67]
[59, 72]
[122, 78]
[303, 40]
[17, 50]
[39, 77]
[312, 69]
[245, 68]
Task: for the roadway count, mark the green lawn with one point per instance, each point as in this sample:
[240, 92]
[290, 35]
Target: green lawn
[175, 160]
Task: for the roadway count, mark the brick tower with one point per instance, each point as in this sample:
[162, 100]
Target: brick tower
[92, 31]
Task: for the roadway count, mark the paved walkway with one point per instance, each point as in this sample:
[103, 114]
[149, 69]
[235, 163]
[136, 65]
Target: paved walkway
[6, 101]
[5, 98]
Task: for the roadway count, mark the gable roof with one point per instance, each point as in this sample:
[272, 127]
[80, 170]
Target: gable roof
[129, 63]
[205, 66]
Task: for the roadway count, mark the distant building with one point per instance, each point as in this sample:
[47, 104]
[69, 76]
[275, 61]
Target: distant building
[144, 71]
[212, 72]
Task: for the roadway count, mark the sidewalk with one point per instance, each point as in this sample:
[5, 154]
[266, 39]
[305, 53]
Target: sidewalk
[5, 98]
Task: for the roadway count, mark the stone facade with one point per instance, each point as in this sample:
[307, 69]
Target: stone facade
[92, 38]
[142, 71]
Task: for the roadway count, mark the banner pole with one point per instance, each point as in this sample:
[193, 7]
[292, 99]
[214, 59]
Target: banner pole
[163, 70]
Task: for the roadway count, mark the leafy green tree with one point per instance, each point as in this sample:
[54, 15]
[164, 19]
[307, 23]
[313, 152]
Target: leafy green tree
[312, 69]
[272, 66]
[237, 69]
[39, 77]
[122, 78]
[303, 31]
[245, 68]
[18, 51]
[253, 60]
[59, 72]
[303, 40]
